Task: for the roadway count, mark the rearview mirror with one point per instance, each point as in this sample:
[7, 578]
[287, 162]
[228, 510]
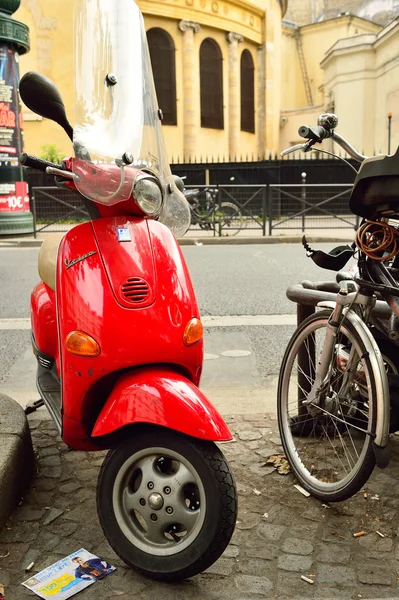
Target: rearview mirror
[41, 96]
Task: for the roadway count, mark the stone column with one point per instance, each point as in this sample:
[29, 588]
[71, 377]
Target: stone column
[234, 94]
[261, 112]
[190, 88]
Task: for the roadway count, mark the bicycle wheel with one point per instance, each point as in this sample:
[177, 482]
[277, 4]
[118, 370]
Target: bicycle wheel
[230, 218]
[328, 443]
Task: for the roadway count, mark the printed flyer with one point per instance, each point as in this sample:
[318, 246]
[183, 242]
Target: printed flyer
[69, 576]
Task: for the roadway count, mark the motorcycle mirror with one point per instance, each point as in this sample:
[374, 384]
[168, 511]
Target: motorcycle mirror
[41, 96]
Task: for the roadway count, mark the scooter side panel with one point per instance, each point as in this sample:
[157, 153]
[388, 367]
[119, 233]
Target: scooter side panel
[161, 397]
[43, 319]
[127, 338]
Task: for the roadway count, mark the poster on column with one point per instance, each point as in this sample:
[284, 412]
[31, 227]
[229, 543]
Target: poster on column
[14, 197]
[11, 121]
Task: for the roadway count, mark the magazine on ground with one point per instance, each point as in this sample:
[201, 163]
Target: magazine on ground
[69, 576]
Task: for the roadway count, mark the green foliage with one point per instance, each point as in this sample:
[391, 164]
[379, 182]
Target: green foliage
[51, 153]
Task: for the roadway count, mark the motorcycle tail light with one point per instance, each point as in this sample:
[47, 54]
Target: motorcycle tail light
[81, 344]
[193, 332]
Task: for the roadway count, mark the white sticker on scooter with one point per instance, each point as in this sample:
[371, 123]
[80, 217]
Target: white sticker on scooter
[124, 234]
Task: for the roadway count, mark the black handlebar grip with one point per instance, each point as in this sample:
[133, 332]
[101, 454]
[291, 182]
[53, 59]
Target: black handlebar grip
[316, 133]
[27, 160]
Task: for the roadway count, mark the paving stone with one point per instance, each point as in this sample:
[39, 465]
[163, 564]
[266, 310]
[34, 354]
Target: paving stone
[376, 543]
[52, 472]
[290, 586]
[333, 553]
[270, 531]
[296, 546]
[247, 436]
[50, 461]
[231, 552]
[247, 520]
[50, 451]
[253, 585]
[52, 515]
[31, 556]
[223, 566]
[256, 566]
[44, 485]
[28, 513]
[5, 577]
[47, 540]
[335, 575]
[375, 574]
[294, 562]
[262, 550]
[20, 532]
[253, 445]
[69, 488]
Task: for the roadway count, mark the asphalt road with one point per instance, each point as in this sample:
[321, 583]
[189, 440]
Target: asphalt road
[229, 280]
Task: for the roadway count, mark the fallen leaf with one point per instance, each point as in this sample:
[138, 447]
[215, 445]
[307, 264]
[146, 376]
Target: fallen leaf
[279, 462]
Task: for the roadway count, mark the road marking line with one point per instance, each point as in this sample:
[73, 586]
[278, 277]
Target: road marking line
[248, 320]
[208, 321]
[14, 323]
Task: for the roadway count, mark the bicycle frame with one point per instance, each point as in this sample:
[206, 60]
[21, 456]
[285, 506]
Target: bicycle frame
[347, 306]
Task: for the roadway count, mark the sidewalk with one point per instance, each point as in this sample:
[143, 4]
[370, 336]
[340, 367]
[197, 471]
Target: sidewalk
[199, 236]
[280, 535]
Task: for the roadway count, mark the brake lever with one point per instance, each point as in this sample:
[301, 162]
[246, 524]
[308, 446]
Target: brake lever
[305, 147]
[62, 173]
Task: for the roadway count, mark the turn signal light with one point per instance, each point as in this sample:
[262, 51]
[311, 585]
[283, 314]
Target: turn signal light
[193, 332]
[81, 344]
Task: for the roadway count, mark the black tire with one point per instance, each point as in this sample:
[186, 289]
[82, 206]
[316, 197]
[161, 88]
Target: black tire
[312, 441]
[390, 355]
[162, 457]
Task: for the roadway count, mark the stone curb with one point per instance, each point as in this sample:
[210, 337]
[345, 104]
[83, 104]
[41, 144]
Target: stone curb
[16, 456]
[205, 241]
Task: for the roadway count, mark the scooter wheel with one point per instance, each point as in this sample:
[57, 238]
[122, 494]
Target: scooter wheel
[167, 503]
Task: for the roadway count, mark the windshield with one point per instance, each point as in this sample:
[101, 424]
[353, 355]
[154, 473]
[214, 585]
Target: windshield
[117, 126]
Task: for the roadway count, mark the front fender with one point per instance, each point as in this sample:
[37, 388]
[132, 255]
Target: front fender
[161, 397]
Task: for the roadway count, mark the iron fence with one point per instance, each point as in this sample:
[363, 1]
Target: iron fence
[223, 210]
[56, 209]
[310, 206]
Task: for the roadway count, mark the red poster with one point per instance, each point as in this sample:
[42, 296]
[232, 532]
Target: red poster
[14, 197]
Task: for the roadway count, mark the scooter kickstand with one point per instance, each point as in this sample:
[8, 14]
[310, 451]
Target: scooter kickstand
[32, 406]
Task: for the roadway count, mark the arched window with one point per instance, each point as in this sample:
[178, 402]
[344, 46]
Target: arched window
[211, 82]
[247, 92]
[162, 53]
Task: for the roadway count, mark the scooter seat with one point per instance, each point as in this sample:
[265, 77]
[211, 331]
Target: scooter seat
[48, 258]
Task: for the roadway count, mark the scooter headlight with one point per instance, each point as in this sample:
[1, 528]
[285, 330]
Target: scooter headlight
[147, 192]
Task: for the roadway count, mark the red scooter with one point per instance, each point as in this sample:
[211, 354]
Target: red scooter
[115, 323]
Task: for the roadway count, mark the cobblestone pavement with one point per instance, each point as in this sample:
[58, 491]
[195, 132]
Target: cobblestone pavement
[280, 534]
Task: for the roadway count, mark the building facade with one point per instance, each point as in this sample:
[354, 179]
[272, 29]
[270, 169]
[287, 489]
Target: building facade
[236, 78]
[216, 68]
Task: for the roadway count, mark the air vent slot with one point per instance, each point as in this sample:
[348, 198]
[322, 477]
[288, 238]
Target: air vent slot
[135, 290]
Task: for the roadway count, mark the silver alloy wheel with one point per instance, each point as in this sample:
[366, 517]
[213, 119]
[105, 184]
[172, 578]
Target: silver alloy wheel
[159, 501]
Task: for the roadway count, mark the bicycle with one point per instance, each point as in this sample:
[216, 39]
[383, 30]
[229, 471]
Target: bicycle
[212, 215]
[338, 382]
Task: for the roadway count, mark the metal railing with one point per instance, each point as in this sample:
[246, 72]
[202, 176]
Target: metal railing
[224, 210]
[56, 209]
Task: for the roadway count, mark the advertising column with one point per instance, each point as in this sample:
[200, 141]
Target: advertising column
[15, 215]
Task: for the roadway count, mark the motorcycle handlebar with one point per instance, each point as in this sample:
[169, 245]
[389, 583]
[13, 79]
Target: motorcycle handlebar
[316, 133]
[28, 160]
